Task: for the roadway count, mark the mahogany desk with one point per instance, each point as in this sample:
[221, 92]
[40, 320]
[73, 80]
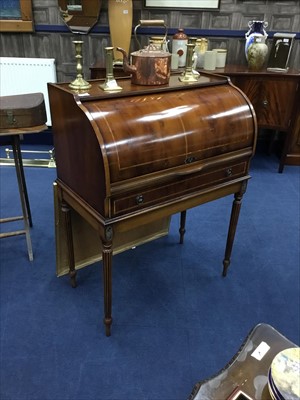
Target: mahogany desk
[129, 158]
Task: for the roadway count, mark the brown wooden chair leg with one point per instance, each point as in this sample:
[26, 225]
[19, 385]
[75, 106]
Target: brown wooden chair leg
[235, 212]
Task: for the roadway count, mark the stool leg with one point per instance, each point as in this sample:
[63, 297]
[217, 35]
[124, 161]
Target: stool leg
[16, 145]
[22, 191]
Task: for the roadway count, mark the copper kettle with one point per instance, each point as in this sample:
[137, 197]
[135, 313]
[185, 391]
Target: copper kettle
[151, 65]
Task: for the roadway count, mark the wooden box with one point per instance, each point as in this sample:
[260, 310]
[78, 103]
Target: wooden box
[22, 111]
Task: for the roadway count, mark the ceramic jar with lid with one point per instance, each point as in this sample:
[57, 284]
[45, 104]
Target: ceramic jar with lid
[160, 42]
[200, 49]
[179, 43]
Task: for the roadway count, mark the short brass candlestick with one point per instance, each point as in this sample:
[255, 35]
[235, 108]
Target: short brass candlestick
[79, 83]
[188, 75]
[110, 84]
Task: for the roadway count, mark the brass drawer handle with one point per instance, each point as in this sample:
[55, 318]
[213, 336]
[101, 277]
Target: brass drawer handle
[228, 171]
[190, 160]
[139, 199]
[265, 103]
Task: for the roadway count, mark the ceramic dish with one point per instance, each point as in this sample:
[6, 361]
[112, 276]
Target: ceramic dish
[284, 375]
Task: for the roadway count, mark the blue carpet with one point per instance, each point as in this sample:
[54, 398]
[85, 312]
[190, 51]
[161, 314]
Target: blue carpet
[176, 320]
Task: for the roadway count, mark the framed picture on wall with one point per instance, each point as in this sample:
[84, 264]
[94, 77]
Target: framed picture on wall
[16, 16]
[184, 4]
[280, 52]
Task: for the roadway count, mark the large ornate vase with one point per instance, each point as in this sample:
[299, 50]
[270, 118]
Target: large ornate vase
[120, 26]
[257, 53]
[256, 28]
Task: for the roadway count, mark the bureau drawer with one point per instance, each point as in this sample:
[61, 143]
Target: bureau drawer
[182, 186]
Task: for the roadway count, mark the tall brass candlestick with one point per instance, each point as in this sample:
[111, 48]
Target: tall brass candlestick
[79, 83]
[193, 40]
[110, 84]
[188, 75]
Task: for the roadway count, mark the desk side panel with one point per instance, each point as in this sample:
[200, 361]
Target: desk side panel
[77, 150]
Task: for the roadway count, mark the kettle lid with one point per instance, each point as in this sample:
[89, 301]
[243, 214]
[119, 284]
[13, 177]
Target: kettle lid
[151, 51]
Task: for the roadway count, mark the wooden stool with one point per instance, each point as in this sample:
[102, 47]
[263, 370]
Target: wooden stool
[16, 111]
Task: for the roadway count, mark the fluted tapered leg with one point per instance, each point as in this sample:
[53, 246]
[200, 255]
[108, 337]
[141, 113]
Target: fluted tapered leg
[107, 278]
[235, 212]
[67, 216]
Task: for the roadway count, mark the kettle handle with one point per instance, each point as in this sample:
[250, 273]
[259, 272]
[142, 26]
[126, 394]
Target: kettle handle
[150, 22]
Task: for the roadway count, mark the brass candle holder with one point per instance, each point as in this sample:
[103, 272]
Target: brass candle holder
[188, 75]
[110, 84]
[79, 83]
[193, 40]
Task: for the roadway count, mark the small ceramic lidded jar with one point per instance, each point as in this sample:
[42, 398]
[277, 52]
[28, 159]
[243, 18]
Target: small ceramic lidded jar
[160, 42]
[179, 43]
[200, 49]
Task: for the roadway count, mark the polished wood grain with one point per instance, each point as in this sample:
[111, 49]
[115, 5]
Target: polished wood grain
[276, 100]
[129, 158]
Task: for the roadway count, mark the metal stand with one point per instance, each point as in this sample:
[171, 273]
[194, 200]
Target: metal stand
[31, 162]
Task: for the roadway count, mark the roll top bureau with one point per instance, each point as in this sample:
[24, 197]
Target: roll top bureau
[125, 159]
